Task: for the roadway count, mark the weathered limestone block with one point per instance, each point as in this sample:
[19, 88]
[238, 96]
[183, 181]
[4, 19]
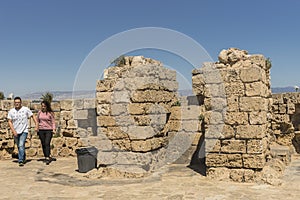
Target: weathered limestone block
[35, 143]
[58, 142]
[66, 115]
[103, 109]
[214, 131]
[212, 145]
[118, 109]
[250, 104]
[235, 88]
[233, 146]
[190, 125]
[40, 153]
[80, 114]
[31, 152]
[137, 108]
[251, 131]
[234, 161]
[230, 75]
[216, 104]
[189, 112]
[5, 154]
[232, 103]
[213, 118]
[281, 117]
[77, 104]
[258, 60]
[198, 84]
[256, 89]
[70, 142]
[282, 108]
[120, 97]
[285, 139]
[258, 117]
[277, 98]
[142, 120]
[64, 152]
[106, 121]
[256, 146]
[7, 105]
[124, 120]
[291, 108]
[254, 161]
[123, 144]
[249, 175]
[221, 173]
[3, 115]
[147, 145]
[216, 160]
[232, 55]
[66, 104]
[175, 113]
[214, 90]
[69, 132]
[169, 85]
[210, 75]
[237, 175]
[234, 118]
[252, 74]
[114, 133]
[152, 96]
[105, 85]
[140, 132]
[104, 97]
[174, 125]
[72, 124]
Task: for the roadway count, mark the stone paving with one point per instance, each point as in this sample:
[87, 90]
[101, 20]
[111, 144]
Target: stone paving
[60, 180]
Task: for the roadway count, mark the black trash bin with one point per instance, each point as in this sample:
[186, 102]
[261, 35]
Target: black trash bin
[86, 158]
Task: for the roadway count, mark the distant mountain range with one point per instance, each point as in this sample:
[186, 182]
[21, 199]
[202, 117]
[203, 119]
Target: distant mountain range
[283, 89]
[60, 95]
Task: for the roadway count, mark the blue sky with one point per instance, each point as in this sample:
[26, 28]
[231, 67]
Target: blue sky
[44, 43]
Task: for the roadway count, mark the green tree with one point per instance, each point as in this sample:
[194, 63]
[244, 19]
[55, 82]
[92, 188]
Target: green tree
[1, 96]
[47, 97]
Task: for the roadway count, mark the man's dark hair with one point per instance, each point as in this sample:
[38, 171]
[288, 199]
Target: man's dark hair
[17, 98]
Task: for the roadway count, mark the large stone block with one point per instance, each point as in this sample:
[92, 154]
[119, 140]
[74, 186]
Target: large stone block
[236, 118]
[249, 104]
[233, 146]
[254, 161]
[252, 74]
[251, 131]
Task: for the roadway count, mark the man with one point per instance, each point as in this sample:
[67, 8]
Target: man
[19, 123]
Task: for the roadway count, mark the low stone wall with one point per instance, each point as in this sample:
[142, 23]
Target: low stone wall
[68, 114]
[286, 120]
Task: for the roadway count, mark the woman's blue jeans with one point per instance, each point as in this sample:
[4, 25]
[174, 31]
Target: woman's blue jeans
[20, 141]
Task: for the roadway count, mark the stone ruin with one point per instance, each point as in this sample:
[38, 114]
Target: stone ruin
[232, 129]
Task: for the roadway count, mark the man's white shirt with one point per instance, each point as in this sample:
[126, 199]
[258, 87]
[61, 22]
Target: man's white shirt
[20, 118]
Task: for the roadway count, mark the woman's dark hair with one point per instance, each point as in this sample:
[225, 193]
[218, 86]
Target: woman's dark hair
[48, 106]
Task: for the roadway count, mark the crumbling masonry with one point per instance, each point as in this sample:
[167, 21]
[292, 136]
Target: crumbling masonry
[232, 129]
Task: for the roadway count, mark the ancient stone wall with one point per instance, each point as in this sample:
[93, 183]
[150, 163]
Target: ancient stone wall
[138, 122]
[286, 122]
[141, 124]
[237, 99]
[68, 114]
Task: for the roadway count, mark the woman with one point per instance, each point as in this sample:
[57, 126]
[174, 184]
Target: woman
[46, 121]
